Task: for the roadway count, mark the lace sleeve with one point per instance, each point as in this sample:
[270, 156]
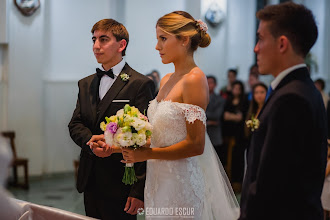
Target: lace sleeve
[193, 113]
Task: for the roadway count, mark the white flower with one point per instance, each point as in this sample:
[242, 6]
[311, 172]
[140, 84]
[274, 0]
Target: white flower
[253, 123]
[108, 136]
[148, 126]
[124, 139]
[120, 113]
[202, 25]
[124, 77]
[138, 124]
[139, 139]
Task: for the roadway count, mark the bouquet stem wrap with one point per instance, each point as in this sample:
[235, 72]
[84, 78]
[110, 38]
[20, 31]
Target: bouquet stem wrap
[129, 177]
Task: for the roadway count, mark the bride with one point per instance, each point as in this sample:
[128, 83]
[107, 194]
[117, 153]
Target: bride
[185, 178]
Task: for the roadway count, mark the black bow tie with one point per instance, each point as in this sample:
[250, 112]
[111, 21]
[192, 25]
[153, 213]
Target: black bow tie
[101, 73]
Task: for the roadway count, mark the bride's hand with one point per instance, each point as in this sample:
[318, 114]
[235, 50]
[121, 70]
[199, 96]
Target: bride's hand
[135, 155]
[147, 144]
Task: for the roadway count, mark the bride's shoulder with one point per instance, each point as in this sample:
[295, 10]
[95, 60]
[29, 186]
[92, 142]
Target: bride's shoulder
[195, 88]
[195, 77]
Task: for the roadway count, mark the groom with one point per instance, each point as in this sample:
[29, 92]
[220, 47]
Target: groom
[103, 94]
[287, 153]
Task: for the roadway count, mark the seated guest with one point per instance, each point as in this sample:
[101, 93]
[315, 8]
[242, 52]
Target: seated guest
[214, 113]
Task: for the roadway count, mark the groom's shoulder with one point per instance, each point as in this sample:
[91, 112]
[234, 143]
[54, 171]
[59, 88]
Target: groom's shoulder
[135, 74]
[87, 78]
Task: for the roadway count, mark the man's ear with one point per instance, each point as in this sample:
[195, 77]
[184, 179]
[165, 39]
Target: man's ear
[122, 45]
[283, 44]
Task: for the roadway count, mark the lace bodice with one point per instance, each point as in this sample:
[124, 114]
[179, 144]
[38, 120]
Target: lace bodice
[169, 121]
[173, 183]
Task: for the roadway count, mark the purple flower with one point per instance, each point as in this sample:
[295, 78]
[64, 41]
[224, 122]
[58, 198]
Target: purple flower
[112, 127]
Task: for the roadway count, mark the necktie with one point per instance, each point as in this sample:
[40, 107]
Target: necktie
[101, 73]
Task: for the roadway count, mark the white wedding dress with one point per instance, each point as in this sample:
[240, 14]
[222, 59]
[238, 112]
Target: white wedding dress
[192, 187]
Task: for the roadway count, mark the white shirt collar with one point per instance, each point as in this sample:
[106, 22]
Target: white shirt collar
[117, 68]
[284, 73]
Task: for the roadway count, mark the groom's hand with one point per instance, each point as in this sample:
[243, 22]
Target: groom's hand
[101, 149]
[132, 205]
[96, 138]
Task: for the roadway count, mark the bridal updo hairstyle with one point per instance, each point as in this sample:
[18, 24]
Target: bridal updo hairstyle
[182, 24]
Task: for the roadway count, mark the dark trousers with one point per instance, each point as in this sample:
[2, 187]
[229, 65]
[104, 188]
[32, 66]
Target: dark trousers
[100, 207]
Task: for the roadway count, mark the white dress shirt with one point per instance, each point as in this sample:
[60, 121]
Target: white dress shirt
[106, 81]
[284, 73]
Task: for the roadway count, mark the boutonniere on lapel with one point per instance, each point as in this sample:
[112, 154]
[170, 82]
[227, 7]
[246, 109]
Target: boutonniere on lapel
[124, 77]
[253, 123]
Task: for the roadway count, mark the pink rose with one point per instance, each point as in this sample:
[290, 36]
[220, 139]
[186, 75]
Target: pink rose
[112, 127]
[143, 117]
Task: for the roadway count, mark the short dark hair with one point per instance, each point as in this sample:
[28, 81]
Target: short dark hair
[212, 77]
[295, 21]
[321, 82]
[117, 29]
[233, 71]
[155, 71]
[254, 73]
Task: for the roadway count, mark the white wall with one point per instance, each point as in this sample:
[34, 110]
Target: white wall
[25, 107]
[49, 48]
[140, 20]
[4, 21]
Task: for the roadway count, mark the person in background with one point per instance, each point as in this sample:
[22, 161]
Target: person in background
[225, 91]
[153, 78]
[253, 79]
[233, 130]
[259, 92]
[214, 113]
[320, 85]
[156, 75]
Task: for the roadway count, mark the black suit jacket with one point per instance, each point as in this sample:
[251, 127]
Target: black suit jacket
[104, 175]
[287, 154]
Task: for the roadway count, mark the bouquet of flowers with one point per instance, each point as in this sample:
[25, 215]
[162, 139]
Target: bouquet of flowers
[253, 123]
[128, 128]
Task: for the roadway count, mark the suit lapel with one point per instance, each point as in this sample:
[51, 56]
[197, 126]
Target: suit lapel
[112, 93]
[94, 95]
